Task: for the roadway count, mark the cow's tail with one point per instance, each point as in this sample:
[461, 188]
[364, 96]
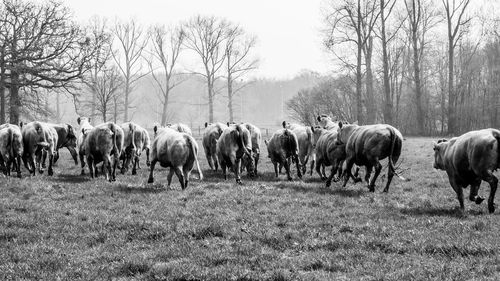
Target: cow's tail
[10, 142]
[132, 136]
[112, 128]
[496, 134]
[194, 151]
[393, 138]
[240, 139]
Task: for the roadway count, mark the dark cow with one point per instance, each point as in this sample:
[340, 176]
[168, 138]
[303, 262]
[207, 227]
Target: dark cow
[11, 148]
[37, 136]
[256, 136]
[85, 127]
[63, 135]
[328, 153]
[283, 146]
[468, 160]
[210, 137]
[129, 146]
[100, 143]
[366, 145]
[305, 139]
[234, 143]
[176, 150]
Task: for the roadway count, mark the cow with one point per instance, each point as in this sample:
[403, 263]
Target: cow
[328, 153]
[366, 145]
[326, 122]
[256, 137]
[136, 139]
[85, 127]
[283, 146]
[235, 143]
[177, 151]
[11, 148]
[37, 136]
[210, 137]
[100, 143]
[180, 127]
[63, 135]
[305, 138]
[468, 160]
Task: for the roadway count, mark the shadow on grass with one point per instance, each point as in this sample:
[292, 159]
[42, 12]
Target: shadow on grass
[300, 187]
[157, 188]
[437, 212]
[71, 178]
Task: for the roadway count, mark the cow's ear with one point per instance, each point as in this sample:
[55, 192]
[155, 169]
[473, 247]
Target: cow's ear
[312, 129]
[283, 124]
[318, 118]
[341, 124]
[155, 129]
[78, 120]
[227, 123]
[21, 124]
[206, 124]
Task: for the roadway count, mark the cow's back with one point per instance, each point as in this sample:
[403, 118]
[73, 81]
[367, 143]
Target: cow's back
[211, 135]
[304, 138]
[374, 141]
[170, 148]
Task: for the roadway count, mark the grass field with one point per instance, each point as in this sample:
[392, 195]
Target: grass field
[70, 227]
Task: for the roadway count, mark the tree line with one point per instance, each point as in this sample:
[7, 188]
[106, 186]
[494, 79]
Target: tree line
[426, 66]
[44, 52]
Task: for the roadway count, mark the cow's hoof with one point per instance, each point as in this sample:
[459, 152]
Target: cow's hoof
[371, 188]
[491, 208]
[356, 180]
[386, 190]
[148, 163]
[19, 175]
[151, 180]
[51, 173]
[328, 184]
[82, 173]
[479, 200]
[239, 182]
[134, 172]
[324, 178]
[290, 179]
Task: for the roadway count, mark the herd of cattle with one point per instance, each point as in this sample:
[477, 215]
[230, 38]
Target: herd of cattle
[467, 159]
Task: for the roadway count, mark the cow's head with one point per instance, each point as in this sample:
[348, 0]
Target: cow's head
[316, 133]
[439, 150]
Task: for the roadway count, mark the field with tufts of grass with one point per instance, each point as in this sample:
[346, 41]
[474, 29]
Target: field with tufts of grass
[73, 228]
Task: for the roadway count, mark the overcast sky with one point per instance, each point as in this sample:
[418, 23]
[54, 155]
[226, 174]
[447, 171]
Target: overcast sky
[288, 31]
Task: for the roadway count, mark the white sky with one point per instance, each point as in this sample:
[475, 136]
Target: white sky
[288, 31]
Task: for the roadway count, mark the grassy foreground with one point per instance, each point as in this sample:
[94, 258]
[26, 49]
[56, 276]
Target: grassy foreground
[70, 227]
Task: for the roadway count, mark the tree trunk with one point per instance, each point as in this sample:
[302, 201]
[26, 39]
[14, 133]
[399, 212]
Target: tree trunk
[230, 97]
[58, 107]
[418, 84]
[210, 87]
[127, 92]
[388, 119]
[164, 110]
[92, 108]
[359, 104]
[371, 106]
[2, 101]
[451, 93]
[15, 99]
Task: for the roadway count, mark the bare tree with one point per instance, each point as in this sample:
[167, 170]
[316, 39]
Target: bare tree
[165, 50]
[238, 62]
[44, 49]
[128, 58]
[456, 21]
[107, 85]
[205, 36]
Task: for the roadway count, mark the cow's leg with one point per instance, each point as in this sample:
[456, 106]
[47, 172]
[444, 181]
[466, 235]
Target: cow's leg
[32, 165]
[257, 156]
[44, 159]
[378, 168]
[299, 174]
[390, 175]
[5, 165]
[90, 164]
[51, 163]
[116, 159]
[237, 164]
[459, 191]
[82, 162]
[223, 167]
[318, 170]
[180, 175]
[147, 158]
[355, 176]
[287, 170]
[281, 167]
[216, 162]
[18, 166]
[209, 160]
[111, 171]
[347, 170]
[151, 169]
[187, 174]
[169, 176]
[332, 173]
[38, 159]
[474, 188]
[369, 169]
[275, 169]
[303, 164]
[136, 163]
[493, 181]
